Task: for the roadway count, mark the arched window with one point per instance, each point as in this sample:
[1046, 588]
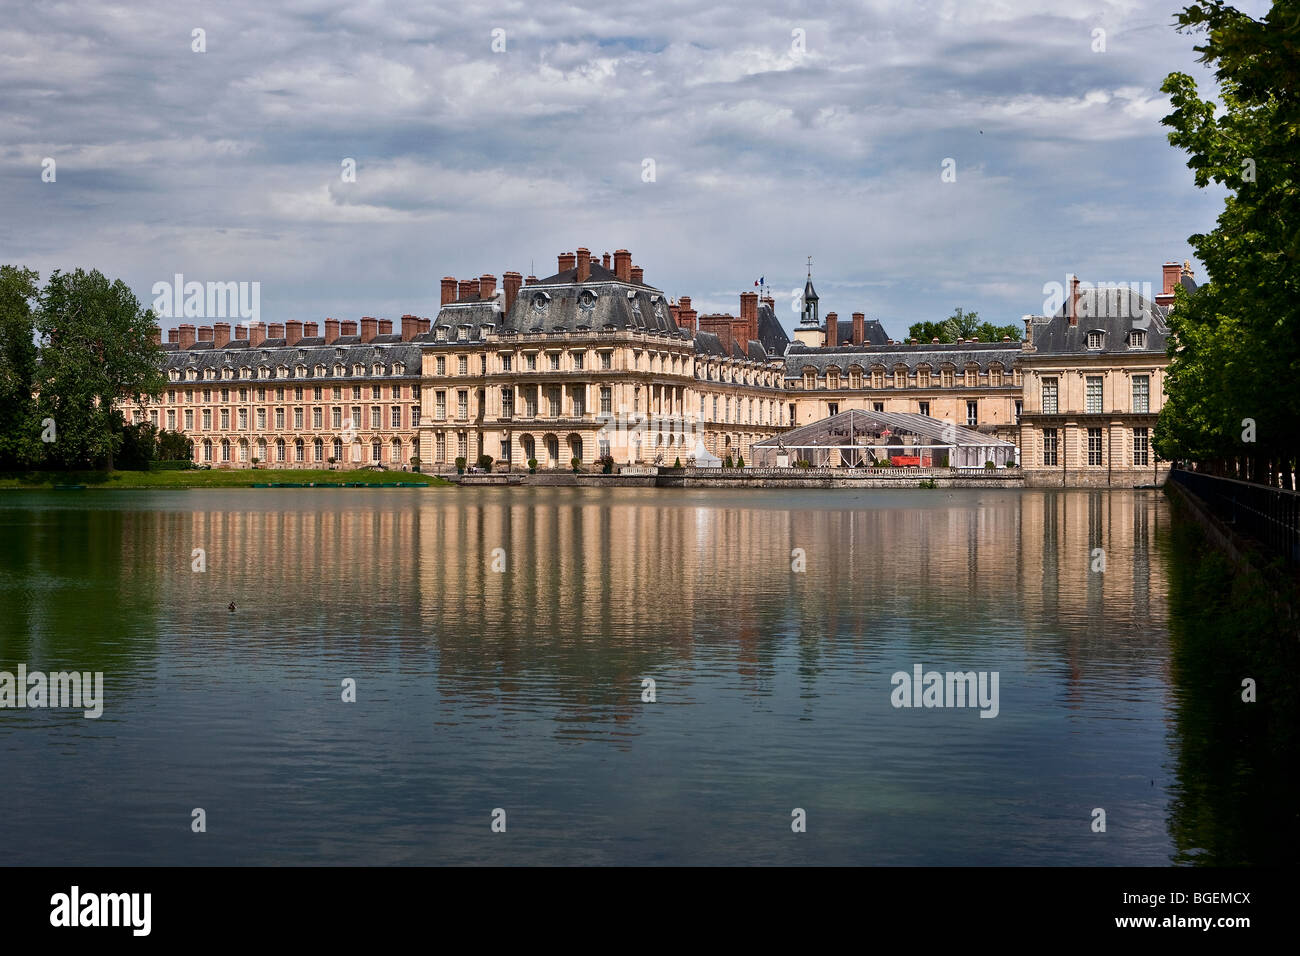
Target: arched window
[279, 449]
[396, 453]
[225, 450]
[337, 452]
[207, 449]
[878, 377]
[299, 450]
[375, 448]
[318, 450]
[261, 450]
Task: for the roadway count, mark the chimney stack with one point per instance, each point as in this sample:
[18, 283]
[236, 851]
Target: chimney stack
[205, 333]
[186, 335]
[385, 326]
[604, 261]
[369, 328]
[275, 330]
[768, 301]
[156, 335]
[241, 332]
[1171, 273]
[424, 325]
[310, 330]
[1074, 300]
[331, 330]
[623, 265]
[749, 315]
[292, 332]
[448, 289]
[532, 280]
[832, 329]
[638, 275]
[220, 334]
[686, 313]
[347, 327]
[173, 336]
[410, 327]
[567, 261]
[256, 334]
[487, 286]
[468, 287]
[859, 327]
[584, 264]
[510, 282]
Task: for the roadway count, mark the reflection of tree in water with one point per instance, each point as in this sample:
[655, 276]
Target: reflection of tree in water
[1236, 798]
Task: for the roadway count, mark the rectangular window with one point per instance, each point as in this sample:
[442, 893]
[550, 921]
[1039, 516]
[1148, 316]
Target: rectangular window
[553, 361]
[261, 419]
[1050, 406]
[439, 404]
[462, 446]
[606, 360]
[243, 419]
[1093, 390]
[297, 394]
[299, 450]
[553, 400]
[316, 396]
[506, 362]
[171, 420]
[207, 419]
[376, 418]
[832, 408]
[972, 413]
[577, 360]
[225, 419]
[1140, 446]
[1141, 393]
[297, 419]
[1020, 406]
[279, 419]
[606, 397]
[356, 417]
[530, 362]
[1049, 446]
[1094, 446]
[507, 402]
[923, 408]
[440, 446]
[877, 406]
[462, 403]
[395, 417]
[376, 391]
[336, 418]
[317, 416]
[415, 418]
[462, 364]
[356, 392]
[579, 404]
[440, 365]
[338, 393]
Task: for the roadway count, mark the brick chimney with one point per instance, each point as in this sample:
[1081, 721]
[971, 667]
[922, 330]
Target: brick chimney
[156, 335]
[749, 315]
[310, 330]
[604, 260]
[292, 332]
[584, 264]
[256, 333]
[832, 329]
[385, 326]
[768, 301]
[532, 280]
[186, 335]
[347, 327]
[241, 332]
[566, 261]
[275, 330]
[410, 327]
[468, 287]
[369, 328]
[859, 327]
[687, 314]
[510, 282]
[1074, 300]
[220, 334]
[205, 333]
[448, 289]
[487, 286]
[638, 275]
[1172, 271]
[173, 336]
[331, 330]
[623, 265]
[424, 325]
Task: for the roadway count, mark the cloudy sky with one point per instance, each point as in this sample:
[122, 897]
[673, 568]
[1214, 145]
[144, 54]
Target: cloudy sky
[227, 165]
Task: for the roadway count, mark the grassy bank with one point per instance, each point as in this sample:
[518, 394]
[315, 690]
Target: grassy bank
[216, 478]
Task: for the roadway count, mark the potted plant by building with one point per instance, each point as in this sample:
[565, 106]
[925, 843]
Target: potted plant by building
[576, 464]
[330, 460]
[727, 462]
[460, 465]
[740, 461]
[677, 462]
[485, 462]
[532, 466]
[256, 460]
[989, 464]
[606, 463]
[415, 462]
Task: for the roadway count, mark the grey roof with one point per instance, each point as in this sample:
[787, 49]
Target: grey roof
[840, 430]
[984, 354]
[809, 293]
[1114, 311]
[873, 332]
[273, 354]
[770, 332]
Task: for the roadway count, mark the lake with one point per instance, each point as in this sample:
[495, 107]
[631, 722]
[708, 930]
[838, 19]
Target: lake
[501, 641]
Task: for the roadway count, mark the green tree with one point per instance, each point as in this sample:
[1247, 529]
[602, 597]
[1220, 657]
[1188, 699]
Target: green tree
[174, 446]
[962, 325]
[20, 444]
[97, 349]
[1236, 340]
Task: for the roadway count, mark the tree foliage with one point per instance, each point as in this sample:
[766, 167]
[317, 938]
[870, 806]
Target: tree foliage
[962, 325]
[1230, 395]
[20, 444]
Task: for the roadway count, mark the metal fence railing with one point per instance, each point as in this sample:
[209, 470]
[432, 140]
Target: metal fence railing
[1269, 516]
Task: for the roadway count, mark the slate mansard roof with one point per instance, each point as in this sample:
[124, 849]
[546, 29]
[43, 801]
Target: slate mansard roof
[386, 350]
[983, 354]
[1115, 311]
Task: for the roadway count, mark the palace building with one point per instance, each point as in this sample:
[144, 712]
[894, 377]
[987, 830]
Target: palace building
[594, 360]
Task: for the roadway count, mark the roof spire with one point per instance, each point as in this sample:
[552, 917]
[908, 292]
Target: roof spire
[810, 267]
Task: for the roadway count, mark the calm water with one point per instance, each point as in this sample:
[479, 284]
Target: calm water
[522, 690]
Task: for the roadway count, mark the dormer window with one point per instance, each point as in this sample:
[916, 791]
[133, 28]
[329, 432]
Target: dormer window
[587, 300]
[462, 333]
[1137, 339]
[440, 334]
[377, 369]
[1095, 338]
[540, 301]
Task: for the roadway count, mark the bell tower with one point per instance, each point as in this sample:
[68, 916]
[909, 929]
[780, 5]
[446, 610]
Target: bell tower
[809, 331]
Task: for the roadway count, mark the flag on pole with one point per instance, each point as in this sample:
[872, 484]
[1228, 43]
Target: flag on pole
[759, 281]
